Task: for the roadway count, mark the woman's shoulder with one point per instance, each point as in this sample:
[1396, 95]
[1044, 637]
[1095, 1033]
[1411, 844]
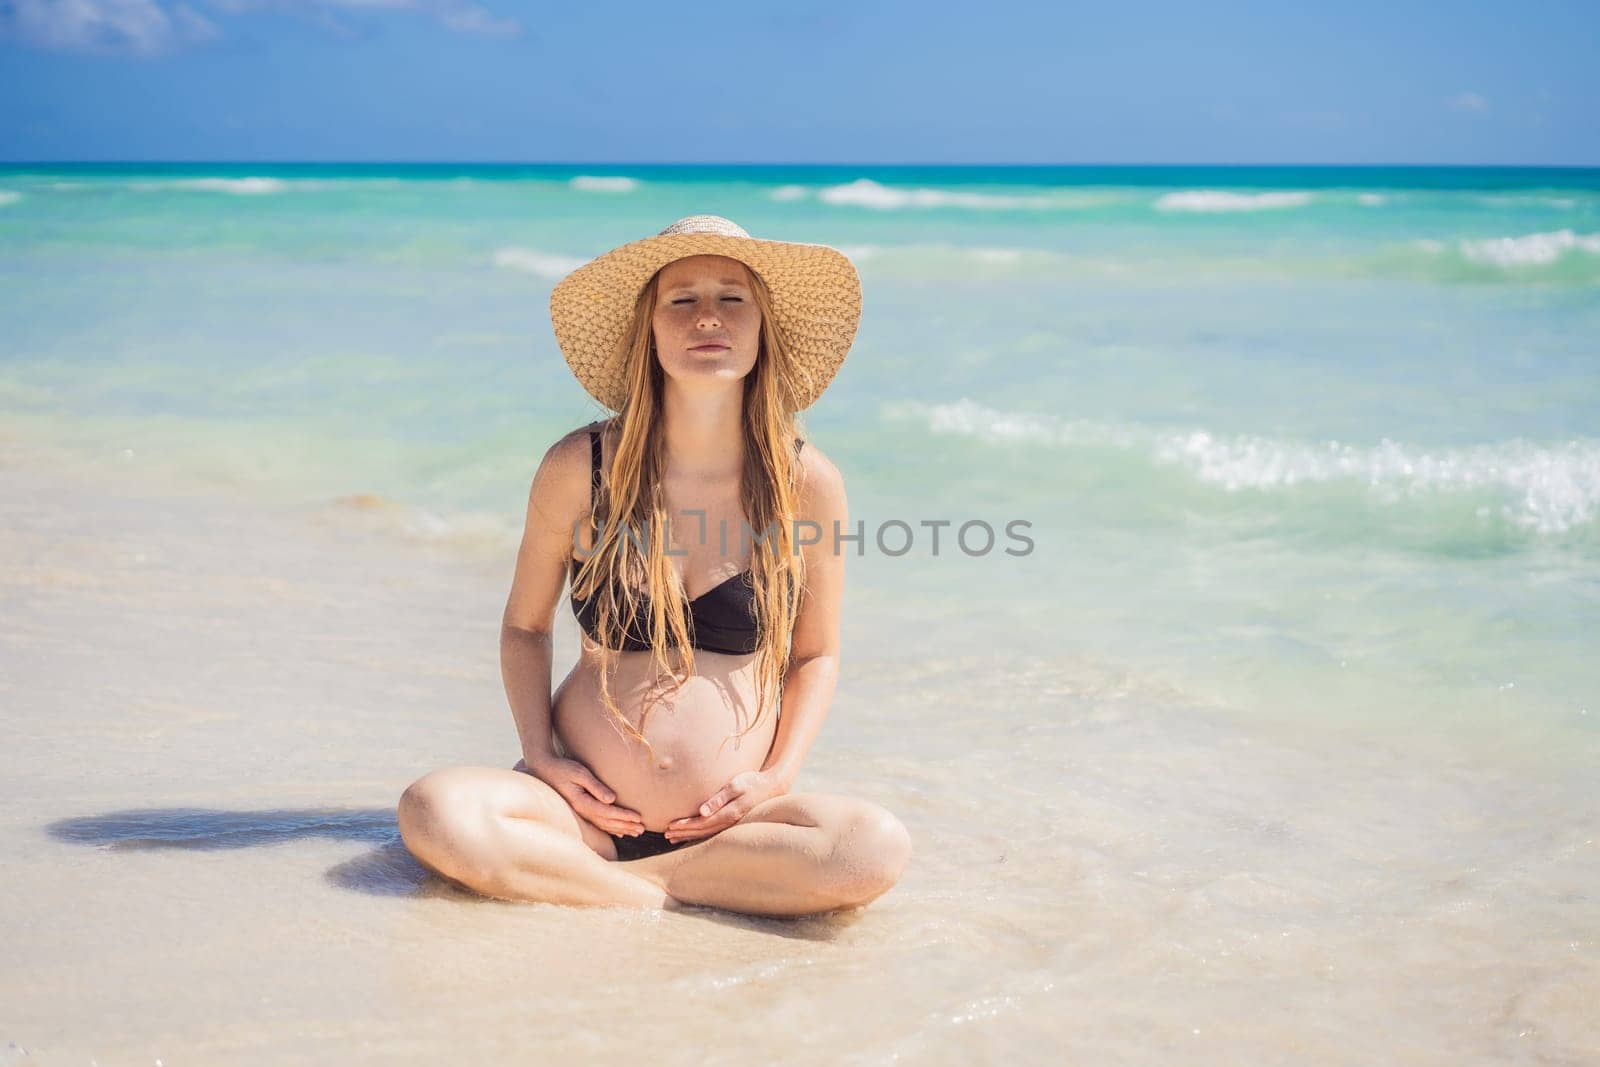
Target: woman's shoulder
[565, 472]
[572, 445]
[813, 460]
[821, 483]
[578, 442]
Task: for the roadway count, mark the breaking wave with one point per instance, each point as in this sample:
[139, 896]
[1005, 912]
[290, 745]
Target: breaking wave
[1542, 489]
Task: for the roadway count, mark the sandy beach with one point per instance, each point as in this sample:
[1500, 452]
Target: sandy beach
[1220, 442]
[211, 706]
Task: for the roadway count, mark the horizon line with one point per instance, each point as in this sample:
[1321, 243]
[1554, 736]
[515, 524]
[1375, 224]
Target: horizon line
[775, 163]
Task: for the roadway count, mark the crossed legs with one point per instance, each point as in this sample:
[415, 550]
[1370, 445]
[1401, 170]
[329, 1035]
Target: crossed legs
[508, 835]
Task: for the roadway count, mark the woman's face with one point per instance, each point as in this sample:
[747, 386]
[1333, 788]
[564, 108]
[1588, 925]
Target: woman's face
[707, 326]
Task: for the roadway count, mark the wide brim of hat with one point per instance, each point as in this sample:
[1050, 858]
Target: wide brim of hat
[816, 303]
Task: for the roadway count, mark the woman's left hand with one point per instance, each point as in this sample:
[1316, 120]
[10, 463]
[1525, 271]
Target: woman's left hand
[726, 806]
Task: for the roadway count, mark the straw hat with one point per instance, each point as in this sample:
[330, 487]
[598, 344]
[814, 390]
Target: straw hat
[816, 302]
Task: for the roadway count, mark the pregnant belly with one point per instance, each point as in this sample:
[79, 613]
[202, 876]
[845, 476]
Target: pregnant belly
[691, 731]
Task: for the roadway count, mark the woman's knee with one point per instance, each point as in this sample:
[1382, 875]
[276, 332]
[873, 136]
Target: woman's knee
[434, 798]
[870, 851]
[443, 819]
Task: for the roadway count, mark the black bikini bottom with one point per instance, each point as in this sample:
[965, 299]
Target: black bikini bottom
[648, 843]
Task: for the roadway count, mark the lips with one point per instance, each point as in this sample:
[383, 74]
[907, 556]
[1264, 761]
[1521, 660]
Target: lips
[710, 346]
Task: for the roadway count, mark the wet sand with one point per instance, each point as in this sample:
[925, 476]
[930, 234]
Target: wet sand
[211, 706]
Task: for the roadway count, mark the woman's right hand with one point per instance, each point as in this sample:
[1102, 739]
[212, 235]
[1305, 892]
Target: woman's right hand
[591, 798]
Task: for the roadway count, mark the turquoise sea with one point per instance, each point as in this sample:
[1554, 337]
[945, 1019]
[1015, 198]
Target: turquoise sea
[1317, 447]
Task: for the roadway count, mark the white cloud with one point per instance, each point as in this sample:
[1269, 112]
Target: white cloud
[1469, 102]
[134, 27]
[470, 18]
[157, 27]
[458, 16]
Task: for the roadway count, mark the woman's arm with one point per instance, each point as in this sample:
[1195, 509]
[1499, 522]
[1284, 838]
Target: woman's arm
[557, 499]
[525, 669]
[813, 672]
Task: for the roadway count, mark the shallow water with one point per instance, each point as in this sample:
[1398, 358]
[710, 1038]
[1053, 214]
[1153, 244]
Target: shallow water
[213, 705]
[1278, 746]
[1315, 442]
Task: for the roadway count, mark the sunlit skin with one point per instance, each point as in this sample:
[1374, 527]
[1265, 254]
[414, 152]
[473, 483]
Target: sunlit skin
[706, 300]
[542, 830]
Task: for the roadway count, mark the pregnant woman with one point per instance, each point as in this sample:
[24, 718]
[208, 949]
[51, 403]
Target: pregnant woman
[699, 532]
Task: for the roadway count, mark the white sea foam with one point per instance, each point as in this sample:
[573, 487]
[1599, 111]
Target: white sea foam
[1551, 489]
[1372, 199]
[604, 183]
[1210, 200]
[1534, 249]
[9, 196]
[943, 255]
[864, 192]
[966, 418]
[247, 186]
[954, 254]
[1559, 202]
[233, 186]
[533, 261]
[785, 193]
[997, 255]
[1547, 490]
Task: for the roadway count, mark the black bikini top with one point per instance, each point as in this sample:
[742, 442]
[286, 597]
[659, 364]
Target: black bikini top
[722, 619]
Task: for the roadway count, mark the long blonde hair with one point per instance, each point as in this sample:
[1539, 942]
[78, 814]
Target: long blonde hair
[631, 508]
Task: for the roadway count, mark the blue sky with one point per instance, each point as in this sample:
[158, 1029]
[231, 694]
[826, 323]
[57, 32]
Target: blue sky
[997, 82]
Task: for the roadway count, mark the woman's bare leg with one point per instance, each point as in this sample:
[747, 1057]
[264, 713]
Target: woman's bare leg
[798, 854]
[508, 835]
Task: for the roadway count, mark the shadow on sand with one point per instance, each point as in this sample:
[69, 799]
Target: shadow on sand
[386, 870]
